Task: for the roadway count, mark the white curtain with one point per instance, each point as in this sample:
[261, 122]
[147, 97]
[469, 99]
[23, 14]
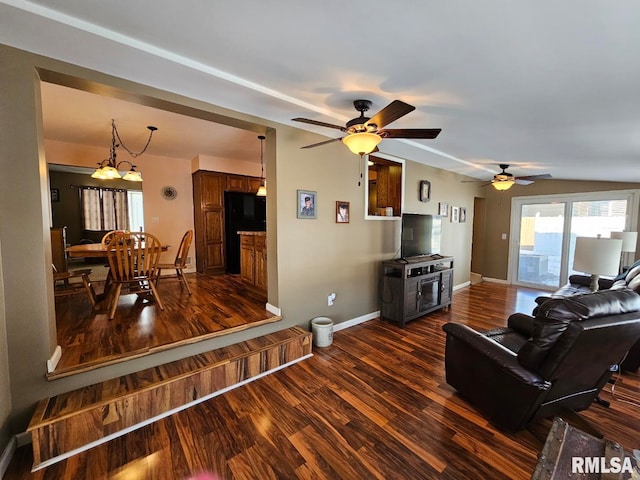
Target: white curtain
[104, 209]
[91, 209]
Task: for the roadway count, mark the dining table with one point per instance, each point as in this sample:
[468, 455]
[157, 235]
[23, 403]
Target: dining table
[93, 250]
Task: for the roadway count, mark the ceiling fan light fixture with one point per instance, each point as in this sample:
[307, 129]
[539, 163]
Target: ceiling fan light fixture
[362, 143]
[502, 184]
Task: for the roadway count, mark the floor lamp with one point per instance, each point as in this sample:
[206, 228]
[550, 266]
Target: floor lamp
[629, 241]
[597, 256]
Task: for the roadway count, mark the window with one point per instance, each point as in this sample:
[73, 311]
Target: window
[136, 210]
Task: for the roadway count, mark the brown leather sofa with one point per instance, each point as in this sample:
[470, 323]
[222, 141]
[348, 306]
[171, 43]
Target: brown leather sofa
[579, 285]
[540, 366]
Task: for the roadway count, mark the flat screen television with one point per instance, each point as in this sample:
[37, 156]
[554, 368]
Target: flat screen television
[420, 235]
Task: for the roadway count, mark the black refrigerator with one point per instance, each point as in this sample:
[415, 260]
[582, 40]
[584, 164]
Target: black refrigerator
[245, 212]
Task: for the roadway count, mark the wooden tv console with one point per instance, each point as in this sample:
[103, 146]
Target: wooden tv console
[414, 287]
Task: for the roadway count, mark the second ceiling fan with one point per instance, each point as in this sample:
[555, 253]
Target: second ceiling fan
[505, 180]
[363, 134]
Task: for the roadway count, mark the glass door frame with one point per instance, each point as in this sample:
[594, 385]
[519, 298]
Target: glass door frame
[631, 224]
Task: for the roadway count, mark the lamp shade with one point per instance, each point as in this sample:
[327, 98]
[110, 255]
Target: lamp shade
[629, 240]
[597, 256]
[362, 143]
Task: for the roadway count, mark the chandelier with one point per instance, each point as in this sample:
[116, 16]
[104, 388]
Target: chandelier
[108, 168]
[262, 190]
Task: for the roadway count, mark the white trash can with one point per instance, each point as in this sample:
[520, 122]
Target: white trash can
[322, 330]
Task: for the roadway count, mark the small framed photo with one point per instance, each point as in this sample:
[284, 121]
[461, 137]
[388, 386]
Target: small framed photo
[307, 203]
[342, 212]
[455, 214]
[463, 214]
[443, 209]
[55, 195]
[425, 191]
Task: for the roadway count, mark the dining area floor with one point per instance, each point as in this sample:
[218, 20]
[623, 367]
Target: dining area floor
[219, 305]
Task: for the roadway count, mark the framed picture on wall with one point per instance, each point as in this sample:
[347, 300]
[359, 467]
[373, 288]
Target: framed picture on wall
[342, 212]
[443, 209]
[463, 214]
[55, 195]
[455, 214]
[425, 191]
[306, 200]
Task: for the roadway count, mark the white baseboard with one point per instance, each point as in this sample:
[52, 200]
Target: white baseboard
[355, 321]
[462, 285]
[52, 363]
[6, 456]
[495, 280]
[23, 438]
[273, 309]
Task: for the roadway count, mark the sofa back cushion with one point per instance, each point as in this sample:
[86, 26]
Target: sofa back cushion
[554, 316]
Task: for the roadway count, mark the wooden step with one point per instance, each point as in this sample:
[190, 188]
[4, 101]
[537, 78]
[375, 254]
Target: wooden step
[78, 420]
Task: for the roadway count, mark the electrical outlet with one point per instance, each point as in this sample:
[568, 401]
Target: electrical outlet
[330, 299]
[155, 219]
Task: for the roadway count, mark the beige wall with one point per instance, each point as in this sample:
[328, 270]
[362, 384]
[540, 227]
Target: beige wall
[308, 259]
[498, 215]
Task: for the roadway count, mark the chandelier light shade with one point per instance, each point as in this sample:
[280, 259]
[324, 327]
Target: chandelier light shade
[502, 184]
[362, 143]
[262, 190]
[108, 168]
[597, 256]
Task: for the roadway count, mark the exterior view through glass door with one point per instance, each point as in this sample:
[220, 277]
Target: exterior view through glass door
[544, 230]
[541, 237]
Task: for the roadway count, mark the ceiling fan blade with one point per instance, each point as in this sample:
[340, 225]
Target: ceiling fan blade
[535, 177]
[322, 143]
[409, 132]
[320, 124]
[522, 181]
[391, 113]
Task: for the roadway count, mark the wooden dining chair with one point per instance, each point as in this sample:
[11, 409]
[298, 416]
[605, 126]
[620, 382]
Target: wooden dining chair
[133, 260]
[68, 287]
[180, 263]
[109, 236]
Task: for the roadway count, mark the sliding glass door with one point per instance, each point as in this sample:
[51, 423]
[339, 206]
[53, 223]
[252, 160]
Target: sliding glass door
[544, 229]
[541, 239]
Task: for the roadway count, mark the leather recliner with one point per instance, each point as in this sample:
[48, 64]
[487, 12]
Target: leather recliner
[540, 366]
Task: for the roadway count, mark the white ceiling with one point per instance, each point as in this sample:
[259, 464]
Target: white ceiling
[545, 86]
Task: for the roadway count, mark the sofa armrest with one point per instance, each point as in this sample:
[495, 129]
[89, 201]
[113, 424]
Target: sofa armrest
[490, 376]
[502, 358]
[521, 323]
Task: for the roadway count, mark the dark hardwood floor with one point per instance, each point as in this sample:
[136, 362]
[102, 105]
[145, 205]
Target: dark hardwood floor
[374, 404]
[219, 306]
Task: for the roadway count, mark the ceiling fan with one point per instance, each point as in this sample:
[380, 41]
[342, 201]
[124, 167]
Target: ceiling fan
[505, 180]
[363, 134]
